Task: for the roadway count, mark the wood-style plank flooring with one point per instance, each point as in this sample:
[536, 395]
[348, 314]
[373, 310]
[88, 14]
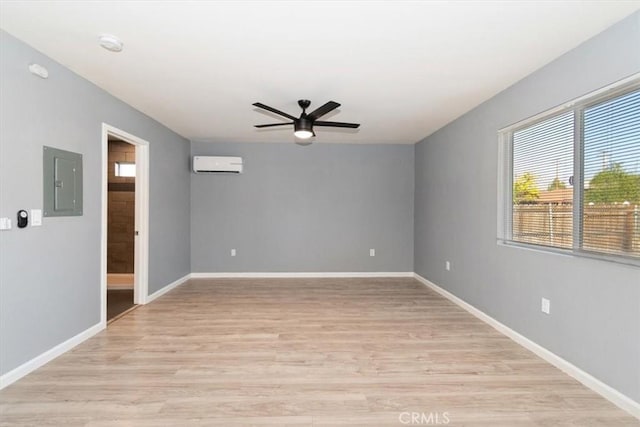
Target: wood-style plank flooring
[301, 352]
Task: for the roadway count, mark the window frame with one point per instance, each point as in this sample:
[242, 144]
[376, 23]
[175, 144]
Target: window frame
[117, 170]
[505, 171]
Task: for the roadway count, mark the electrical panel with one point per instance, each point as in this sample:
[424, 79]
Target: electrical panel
[62, 182]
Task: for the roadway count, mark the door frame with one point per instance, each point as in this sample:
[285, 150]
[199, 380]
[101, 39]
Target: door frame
[141, 242]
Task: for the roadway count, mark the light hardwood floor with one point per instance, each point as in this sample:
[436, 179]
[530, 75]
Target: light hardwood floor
[301, 352]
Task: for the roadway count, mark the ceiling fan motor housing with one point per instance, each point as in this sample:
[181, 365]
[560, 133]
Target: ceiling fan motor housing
[303, 124]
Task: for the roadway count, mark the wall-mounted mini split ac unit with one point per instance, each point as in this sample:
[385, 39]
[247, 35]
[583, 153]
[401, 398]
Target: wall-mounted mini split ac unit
[211, 164]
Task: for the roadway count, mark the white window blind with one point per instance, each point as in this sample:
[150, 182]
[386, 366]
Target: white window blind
[611, 178]
[542, 210]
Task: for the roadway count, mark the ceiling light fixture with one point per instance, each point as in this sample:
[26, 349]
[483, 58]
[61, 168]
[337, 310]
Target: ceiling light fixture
[303, 129]
[303, 125]
[110, 42]
[303, 134]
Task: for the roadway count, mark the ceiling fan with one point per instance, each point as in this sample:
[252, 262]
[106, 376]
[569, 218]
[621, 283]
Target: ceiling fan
[303, 125]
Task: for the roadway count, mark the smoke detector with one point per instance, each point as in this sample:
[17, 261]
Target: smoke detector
[39, 70]
[110, 42]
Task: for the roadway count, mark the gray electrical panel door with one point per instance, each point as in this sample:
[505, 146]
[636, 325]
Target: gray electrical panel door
[62, 181]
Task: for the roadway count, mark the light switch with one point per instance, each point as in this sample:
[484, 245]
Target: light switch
[5, 223]
[36, 217]
[545, 306]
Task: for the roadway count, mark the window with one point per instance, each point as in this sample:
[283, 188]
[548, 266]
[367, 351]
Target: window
[571, 178]
[125, 169]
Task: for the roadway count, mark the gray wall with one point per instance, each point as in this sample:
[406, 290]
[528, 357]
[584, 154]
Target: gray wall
[595, 305]
[50, 275]
[315, 208]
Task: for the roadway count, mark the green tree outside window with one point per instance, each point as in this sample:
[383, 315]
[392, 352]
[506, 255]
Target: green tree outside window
[525, 189]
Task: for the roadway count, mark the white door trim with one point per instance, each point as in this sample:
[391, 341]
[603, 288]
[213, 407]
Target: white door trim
[141, 269]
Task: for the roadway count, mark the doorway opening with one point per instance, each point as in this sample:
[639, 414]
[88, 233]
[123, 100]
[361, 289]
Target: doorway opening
[124, 223]
[121, 221]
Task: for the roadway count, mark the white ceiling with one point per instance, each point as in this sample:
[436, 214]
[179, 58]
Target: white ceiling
[401, 69]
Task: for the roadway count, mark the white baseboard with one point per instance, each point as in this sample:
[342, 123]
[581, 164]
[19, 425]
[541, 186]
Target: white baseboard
[33, 364]
[167, 288]
[299, 275]
[608, 392]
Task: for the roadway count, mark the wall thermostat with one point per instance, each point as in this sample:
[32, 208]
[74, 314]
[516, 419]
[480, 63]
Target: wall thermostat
[23, 218]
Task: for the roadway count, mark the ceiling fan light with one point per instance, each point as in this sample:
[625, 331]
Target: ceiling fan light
[303, 134]
[303, 128]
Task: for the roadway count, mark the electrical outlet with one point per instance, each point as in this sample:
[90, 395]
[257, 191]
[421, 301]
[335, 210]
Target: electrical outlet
[233, 252]
[545, 306]
[372, 252]
[447, 265]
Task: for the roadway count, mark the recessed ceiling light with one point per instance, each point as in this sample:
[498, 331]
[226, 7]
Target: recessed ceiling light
[110, 42]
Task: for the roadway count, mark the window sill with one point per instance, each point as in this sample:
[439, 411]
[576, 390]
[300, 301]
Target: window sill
[631, 262]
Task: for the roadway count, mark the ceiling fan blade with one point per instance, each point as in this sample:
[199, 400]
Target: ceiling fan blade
[273, 110]
[273, 124]
[321, 111]
[337, 124]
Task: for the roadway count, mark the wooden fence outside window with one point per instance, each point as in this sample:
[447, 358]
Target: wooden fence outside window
[613, 228]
